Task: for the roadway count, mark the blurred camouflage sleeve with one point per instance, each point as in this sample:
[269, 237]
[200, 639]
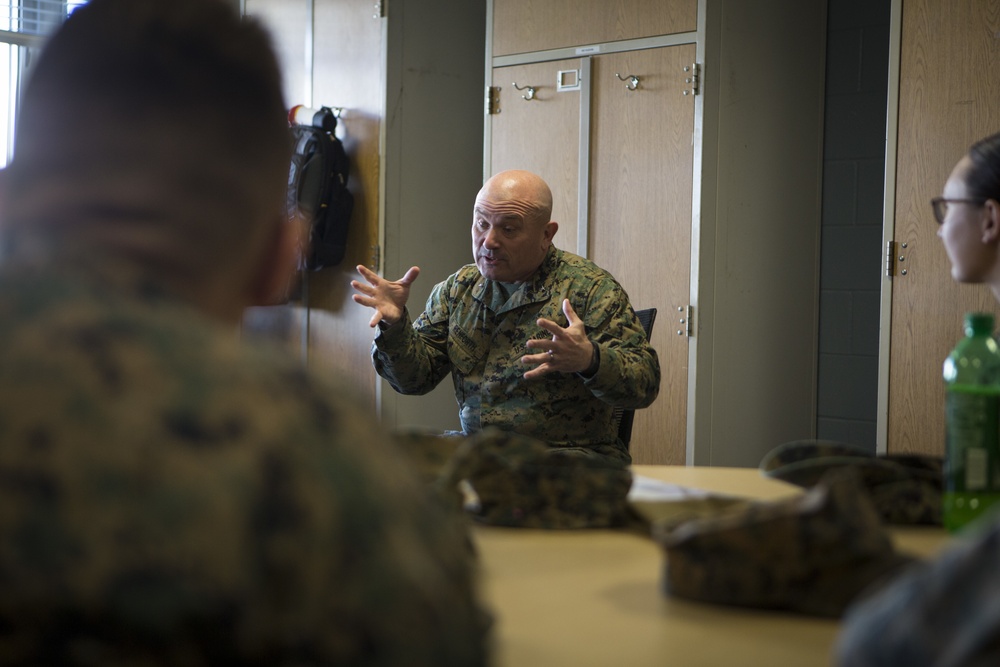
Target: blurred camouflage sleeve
[946, 612]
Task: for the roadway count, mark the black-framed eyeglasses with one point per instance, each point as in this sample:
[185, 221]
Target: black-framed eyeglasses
[940, 206]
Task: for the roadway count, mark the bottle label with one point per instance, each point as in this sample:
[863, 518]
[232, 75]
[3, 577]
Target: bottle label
[973, 441]
[977, 477]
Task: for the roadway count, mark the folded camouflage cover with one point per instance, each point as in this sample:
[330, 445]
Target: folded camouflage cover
[904, 488]
[811, 554]
[506, 479]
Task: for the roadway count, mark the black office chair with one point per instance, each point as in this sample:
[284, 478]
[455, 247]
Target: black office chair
[621, 417]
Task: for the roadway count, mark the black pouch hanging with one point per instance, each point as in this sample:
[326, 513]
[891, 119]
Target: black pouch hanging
[317, 190]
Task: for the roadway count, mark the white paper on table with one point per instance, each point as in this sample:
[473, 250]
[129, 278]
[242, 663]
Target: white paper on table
[648, 489]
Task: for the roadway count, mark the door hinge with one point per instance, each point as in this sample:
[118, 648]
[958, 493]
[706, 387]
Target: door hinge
[379, 9]
[492, 100]
[894, 258]
[376, 258]
[685, 320]
[692, 78]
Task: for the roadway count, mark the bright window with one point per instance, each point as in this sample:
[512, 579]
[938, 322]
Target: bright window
[24, 24]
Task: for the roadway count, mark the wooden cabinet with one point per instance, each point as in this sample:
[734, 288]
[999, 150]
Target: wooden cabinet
[640, 210]
[540, 114]
[697, 185]
[522, 26]
[943, 97]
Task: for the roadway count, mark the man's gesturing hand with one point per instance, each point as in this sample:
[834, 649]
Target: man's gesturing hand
[387, 297]
[568, 351]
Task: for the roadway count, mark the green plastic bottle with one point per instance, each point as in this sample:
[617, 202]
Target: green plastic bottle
[972, 424]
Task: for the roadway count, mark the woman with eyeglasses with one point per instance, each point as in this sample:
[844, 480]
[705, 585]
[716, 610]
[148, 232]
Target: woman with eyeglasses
[968, 213]
[947, 612]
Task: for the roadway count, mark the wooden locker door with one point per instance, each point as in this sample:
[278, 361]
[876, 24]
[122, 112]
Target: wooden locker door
[948, 96]
[541, 135]
[640, 217]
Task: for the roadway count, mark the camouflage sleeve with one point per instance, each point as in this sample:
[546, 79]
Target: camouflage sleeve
[413, 358]
[629, 372]
[946, 612]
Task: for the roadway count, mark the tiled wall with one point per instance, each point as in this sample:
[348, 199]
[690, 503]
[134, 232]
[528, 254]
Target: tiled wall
[851, 262]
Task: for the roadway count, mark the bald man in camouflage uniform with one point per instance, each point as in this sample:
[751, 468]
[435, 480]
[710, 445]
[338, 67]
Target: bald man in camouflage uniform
[523, 304]
[169, 496]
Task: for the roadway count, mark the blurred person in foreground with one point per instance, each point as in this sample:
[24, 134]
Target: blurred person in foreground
[538, 341]
[168, 495]
[946, 613]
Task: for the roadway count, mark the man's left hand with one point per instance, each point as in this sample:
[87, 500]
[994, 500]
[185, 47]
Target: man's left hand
[568, 351]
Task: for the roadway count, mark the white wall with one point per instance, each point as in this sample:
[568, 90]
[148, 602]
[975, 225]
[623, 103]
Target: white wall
[433, 164]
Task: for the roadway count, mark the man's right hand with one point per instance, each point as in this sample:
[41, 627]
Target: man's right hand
[387, 297]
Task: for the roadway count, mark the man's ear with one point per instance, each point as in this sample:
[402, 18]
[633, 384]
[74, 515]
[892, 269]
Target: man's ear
[551, 227]
[278, 264]
[991, 221]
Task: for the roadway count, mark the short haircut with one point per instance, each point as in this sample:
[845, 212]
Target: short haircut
[152, 110]
[182, 56]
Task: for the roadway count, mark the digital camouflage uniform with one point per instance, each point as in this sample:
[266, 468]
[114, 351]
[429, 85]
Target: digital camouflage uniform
[944, 613]
[472, 330]
[169, 496]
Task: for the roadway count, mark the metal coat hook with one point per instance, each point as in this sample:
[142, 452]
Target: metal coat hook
[530, 95]
[325, 117]
[633, 80]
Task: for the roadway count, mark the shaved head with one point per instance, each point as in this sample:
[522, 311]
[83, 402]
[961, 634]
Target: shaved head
[524, 190]
[512, 228]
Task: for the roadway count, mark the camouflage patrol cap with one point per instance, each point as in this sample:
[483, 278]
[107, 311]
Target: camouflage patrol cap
[811, 554]
[507, 479]
[427, 452]
[905, 488]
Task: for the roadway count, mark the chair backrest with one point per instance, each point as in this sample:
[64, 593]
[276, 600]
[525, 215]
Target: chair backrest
[622, 417]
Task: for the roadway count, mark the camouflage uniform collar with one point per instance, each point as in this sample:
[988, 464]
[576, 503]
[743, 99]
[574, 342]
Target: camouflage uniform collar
[535, 290]
[100, 276]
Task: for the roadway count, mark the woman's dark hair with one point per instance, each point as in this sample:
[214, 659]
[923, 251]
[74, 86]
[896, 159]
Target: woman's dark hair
[983, 178]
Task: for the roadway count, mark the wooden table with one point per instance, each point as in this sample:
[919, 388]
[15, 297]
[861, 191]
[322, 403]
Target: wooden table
[593, 597]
